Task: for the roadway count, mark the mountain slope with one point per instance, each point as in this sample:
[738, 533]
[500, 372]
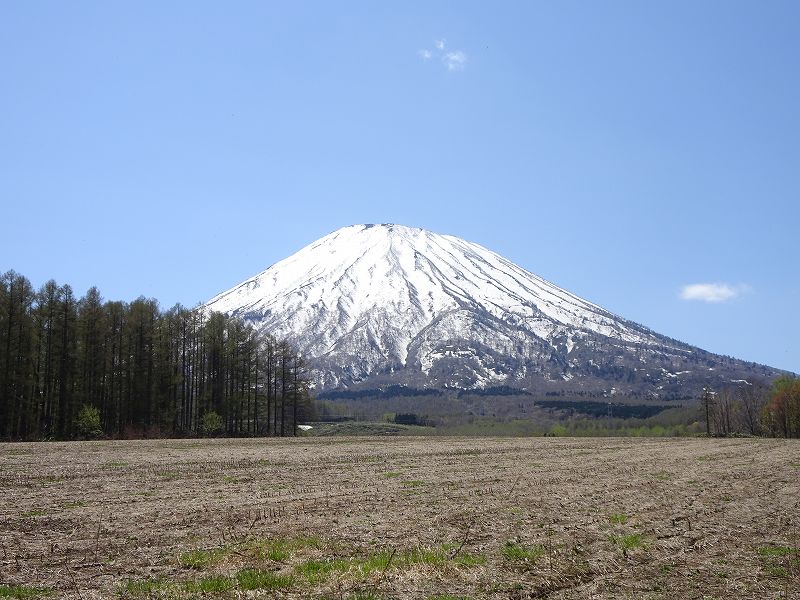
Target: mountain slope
[388, 303]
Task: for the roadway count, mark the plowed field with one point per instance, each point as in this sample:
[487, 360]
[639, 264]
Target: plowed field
[410, 517]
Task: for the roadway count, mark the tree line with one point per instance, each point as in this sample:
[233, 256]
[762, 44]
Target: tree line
[84, 367]
[754, 409]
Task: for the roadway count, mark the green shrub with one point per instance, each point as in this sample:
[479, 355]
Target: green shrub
[88, 423]
[212, 424]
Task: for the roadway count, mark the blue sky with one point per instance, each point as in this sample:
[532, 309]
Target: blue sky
[622, 150]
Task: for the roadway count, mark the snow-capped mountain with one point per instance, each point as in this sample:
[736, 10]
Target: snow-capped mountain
[388, 303]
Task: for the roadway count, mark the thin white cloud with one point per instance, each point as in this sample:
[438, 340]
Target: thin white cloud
[455, 61]
[713, 292]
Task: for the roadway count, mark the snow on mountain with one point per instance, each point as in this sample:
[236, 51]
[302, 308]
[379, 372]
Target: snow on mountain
[400, 303]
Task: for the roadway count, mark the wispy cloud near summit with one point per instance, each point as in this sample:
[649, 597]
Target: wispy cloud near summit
[453, 60]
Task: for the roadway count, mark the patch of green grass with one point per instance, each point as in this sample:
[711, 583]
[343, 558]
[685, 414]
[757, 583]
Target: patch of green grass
[319, 570]
[424, 556]
[316, 570]
[306, 541]
[371, 563]
[280, 549]
[448, 597]
[277, 553]
[23, 591]
[777, 571]
[248, 579]
[392, 474]
[662, 475]
[76, 504]
[412, 483]
[229, 479]
[619, 519]
[628, 542]
[438, 556]
[521, 553]
[167, 474]
[469, 559]
[51, 479]
[202, 559]
[210, 585]
[258, 579]
[142, 494]
[775, 551]
[145, 587]
[780, 561]
[34, 513]
[114, 464]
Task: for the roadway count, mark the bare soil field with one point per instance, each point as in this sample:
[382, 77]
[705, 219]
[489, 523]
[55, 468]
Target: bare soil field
[409, 517]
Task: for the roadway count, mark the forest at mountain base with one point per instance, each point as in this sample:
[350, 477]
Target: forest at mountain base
[80, 367]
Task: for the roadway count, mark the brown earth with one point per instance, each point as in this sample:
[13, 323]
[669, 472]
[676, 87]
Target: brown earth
[409, 517]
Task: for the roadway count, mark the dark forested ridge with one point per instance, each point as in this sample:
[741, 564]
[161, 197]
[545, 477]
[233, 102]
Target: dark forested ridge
[81, 367]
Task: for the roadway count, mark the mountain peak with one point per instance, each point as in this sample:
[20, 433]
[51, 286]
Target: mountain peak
[406, 304]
